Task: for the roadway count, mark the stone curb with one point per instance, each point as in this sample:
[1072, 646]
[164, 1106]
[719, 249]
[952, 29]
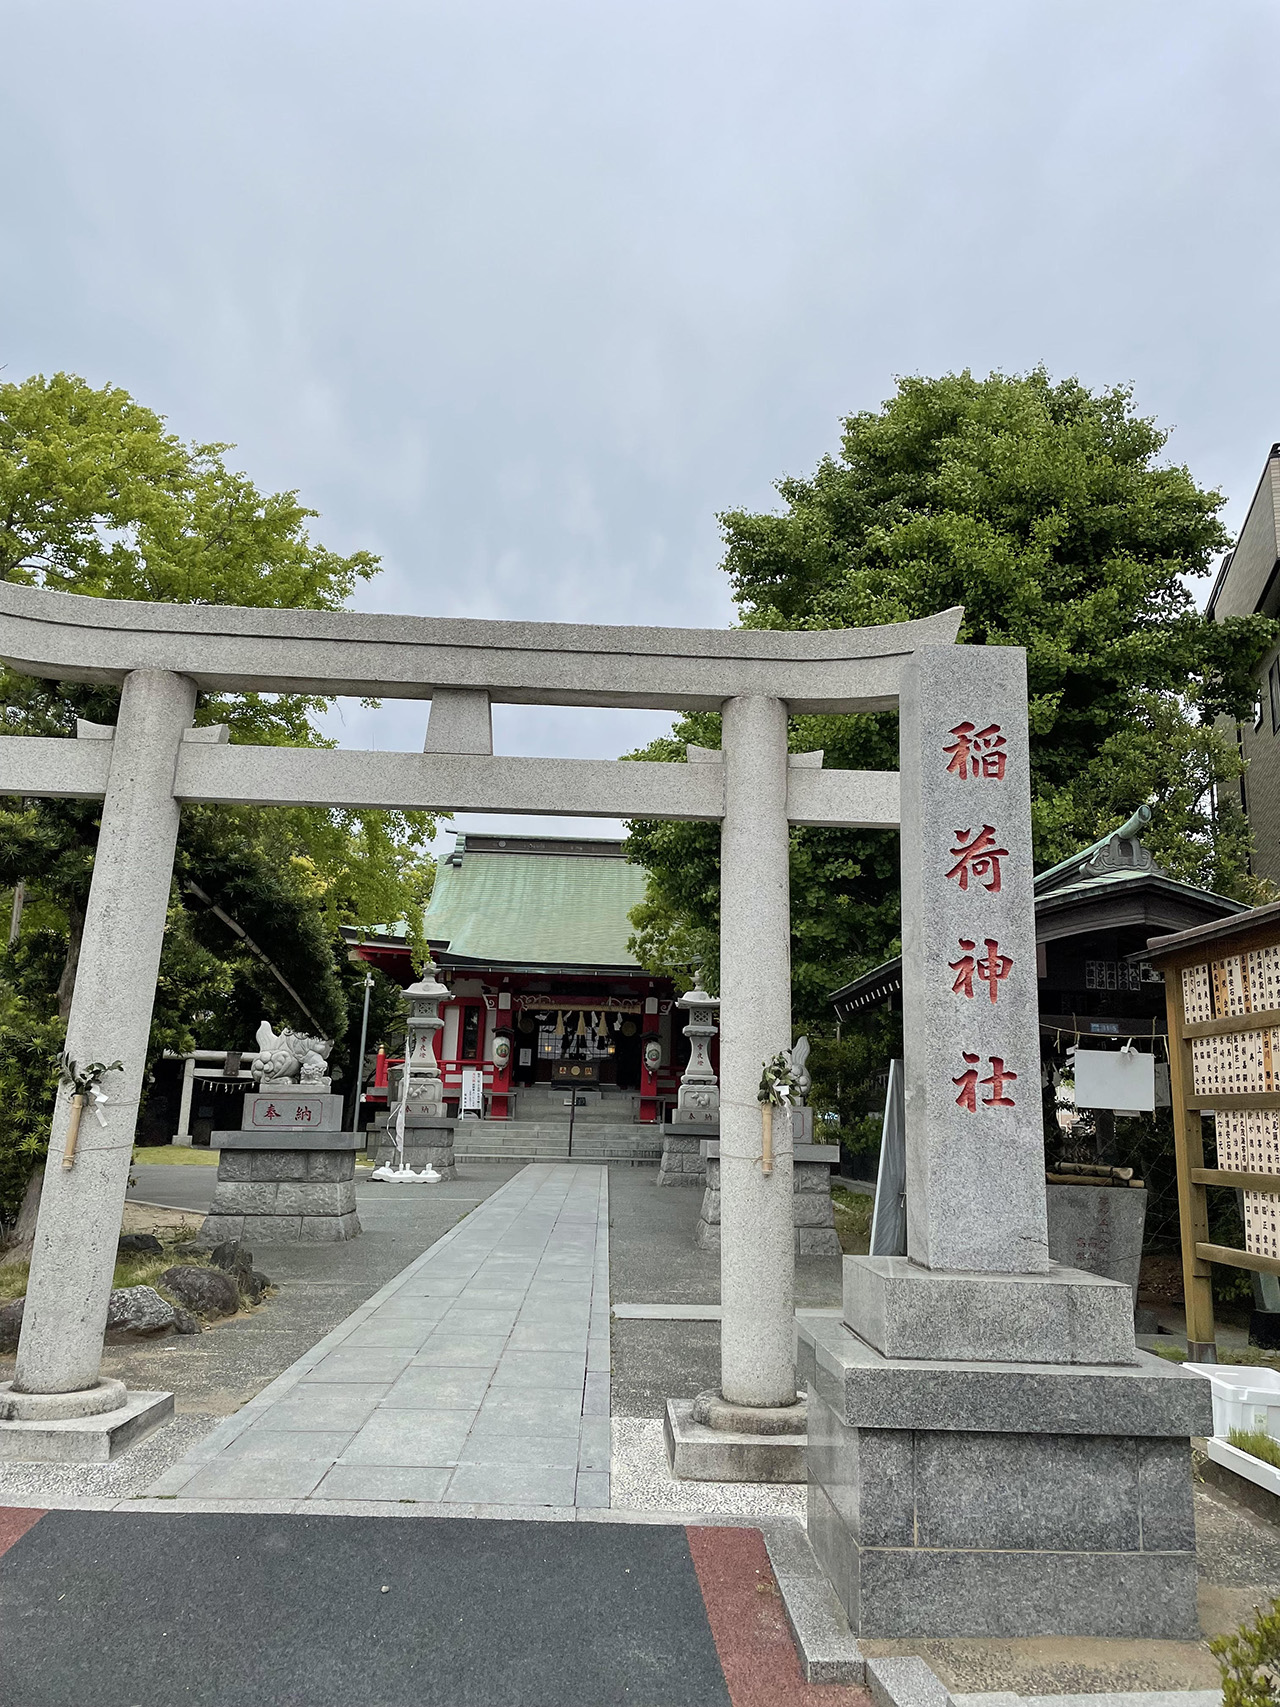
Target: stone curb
[905, 1682]
[827, 1648]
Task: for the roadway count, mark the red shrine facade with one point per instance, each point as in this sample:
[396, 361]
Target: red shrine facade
[529, 934]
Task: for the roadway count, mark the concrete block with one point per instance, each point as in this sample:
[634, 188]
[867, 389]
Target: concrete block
[809, 1209]
[273, 1165]
[1165, 1496]
[1150, 1398]
[943, 1530]
[328, 1229]
[86, 1440]
[1062, 1316]
[272, 1229]
[1065, 1493]
[235, 1165]
[244, 1197]
[906, 1682]
[313, 1197]
[818, 1242]
[330, 1165]
[299, 1140]
[700, 1454]
[215, 1228]
[917, 1593]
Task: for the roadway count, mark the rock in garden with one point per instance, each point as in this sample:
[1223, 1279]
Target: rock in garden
[10, 1324]
[253, 1285]
[186, 1324]
[139, 1244]
[207, 1291]
[233, 1257]
[138, 1310]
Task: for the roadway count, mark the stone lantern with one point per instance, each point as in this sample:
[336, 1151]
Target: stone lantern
[698, 1099]
[426, 1089]
[696, 1115]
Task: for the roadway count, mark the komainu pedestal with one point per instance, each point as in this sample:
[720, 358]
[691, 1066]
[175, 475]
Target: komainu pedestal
[288, 1176]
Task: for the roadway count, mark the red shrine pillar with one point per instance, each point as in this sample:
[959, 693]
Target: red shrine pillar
[503, 1059]
[649, 1074]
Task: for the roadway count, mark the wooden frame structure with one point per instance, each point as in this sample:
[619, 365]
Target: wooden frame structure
[1223, 1060]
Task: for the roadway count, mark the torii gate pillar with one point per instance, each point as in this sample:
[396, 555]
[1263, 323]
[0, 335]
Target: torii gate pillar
[80, 1208]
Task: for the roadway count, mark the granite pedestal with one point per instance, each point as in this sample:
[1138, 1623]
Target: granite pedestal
[962, 1499]
[288, 1176]
[682, 1160]
[428, 1142]
[812, 1216]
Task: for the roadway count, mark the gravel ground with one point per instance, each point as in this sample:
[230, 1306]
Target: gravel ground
[642, 1481]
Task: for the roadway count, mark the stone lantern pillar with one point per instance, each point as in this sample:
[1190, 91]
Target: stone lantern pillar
[427, 1132]
[426, 1088]
[696, 1115]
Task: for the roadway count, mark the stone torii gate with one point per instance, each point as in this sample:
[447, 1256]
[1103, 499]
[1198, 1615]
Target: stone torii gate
[153, 761]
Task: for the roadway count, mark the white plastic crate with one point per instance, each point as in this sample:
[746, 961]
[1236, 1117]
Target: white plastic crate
[1243, 1397]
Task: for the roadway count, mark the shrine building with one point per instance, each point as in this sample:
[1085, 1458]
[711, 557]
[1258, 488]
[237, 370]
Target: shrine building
[530, 935]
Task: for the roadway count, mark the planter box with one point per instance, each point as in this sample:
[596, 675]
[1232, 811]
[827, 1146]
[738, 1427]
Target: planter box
[1243, 1397]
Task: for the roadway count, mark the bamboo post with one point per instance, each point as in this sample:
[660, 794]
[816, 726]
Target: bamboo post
[73, 1132]
[766, 1152]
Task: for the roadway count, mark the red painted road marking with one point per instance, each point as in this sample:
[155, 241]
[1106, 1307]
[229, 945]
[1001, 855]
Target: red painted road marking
[749, 1625]
[15, 1520]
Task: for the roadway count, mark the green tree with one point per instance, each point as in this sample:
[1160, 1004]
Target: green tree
[1045, 511]
[97, 497]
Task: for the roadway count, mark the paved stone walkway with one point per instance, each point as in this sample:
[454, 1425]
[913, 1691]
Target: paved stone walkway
[478, 1377]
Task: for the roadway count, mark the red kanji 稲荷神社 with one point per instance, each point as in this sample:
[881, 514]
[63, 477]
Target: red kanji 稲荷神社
[969, 1081]
[991, 968]
[978, 857]
[977, 752]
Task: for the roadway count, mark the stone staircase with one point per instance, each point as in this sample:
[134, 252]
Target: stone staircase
[546, 1141]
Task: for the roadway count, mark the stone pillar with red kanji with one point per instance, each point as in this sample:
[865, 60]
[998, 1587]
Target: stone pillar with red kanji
[975, 1149]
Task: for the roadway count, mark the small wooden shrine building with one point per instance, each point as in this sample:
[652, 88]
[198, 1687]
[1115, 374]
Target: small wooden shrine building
[530, 934]
[1094, 914]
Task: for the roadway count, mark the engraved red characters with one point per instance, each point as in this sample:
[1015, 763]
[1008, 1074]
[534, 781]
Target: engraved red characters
[977, 752]
[969, 1081]
[979, 858]
[991, 968]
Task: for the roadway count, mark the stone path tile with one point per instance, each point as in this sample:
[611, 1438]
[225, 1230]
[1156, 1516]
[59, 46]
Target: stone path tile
[476, 1380]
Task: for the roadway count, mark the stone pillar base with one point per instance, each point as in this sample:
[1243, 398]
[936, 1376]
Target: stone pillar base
[682, 1162]
[698, 1453]
[92, 1438]
[812, 1215]
[1002, 1500]
[277, 1197]
[426, 1142]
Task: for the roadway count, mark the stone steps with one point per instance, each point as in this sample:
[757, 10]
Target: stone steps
[526, 1141]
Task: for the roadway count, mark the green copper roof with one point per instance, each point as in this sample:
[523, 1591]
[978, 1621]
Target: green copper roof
[535, 901]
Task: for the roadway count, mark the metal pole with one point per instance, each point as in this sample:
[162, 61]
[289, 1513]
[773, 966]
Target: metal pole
[573, 1109]
[364, 1035]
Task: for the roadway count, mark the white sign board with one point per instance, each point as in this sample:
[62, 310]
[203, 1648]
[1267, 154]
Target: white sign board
[472, 1090]
[1120, 1079]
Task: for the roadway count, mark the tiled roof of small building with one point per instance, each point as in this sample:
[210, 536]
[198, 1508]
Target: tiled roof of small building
[535, 901]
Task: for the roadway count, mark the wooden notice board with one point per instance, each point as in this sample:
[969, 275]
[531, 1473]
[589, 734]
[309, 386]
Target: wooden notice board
[1222, 991]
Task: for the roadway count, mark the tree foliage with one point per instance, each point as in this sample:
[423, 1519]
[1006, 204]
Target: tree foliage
[97, 497]
[1045, 510]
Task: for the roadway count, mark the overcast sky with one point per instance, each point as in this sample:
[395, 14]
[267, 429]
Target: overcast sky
[520, 293]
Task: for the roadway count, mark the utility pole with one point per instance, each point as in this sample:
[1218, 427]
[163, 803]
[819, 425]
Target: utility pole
[359, 1072]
